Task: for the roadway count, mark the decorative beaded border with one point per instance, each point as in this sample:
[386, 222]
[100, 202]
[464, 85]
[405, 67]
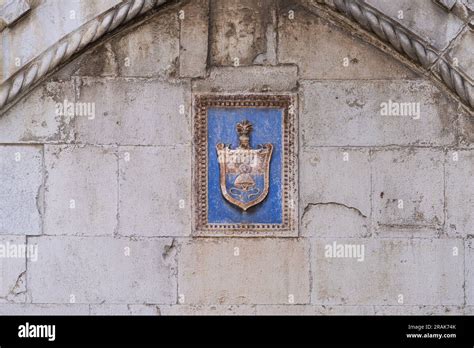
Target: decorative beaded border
[289, 160]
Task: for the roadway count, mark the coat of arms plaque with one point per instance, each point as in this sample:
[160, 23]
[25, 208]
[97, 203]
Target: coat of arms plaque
[245, 165]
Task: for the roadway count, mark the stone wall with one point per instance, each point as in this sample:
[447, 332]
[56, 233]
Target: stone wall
[105, 193]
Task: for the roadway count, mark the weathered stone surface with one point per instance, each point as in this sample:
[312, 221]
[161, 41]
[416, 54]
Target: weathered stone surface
[334, 220]
[424, 18]
[424, 272]
[148, 50]
[348, 113]
[34, 33]
[121, 309]
[43, 309]
[208, 310]
[466, 125]
[12, 270]
[335, 192]
[159, 120]
[162, 205]
[35, 119]
[264, 271]
[414, 176]
[238, 30]
[419, 310]
[469, 272]
[323, 51]
[314, 310]
[81, 190]
[194, 30]
[460, 192]
[21, 175]
[249, 79]
[461, 53]
[11, 11]
[102, 269]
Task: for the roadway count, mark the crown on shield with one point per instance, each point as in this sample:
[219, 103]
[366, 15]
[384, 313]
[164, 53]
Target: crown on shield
[243, 129]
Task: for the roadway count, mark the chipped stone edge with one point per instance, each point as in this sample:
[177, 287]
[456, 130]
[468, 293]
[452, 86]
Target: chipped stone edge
[23, 80]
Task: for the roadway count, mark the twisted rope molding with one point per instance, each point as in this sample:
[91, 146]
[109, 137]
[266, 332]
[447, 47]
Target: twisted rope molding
[407, 45]
[71, 44]
[129, 9]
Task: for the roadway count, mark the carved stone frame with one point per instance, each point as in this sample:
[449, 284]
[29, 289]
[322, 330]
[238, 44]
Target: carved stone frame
[289, 225]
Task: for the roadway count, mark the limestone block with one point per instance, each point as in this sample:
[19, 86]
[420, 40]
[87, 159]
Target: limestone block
[460, 192]
[249, 79]
[242, 271]
[335, 192]
[470, 272]
[460, 56]
[102, 270]
[207, 310]
[135, 112]
[12, 10]
[122, 309]
[408, 188]
[238, 30]
[392, 272]
[309, 310]
[155, 191]
[148, 50]
[32, 35]
[43, 309]
[419, 310]
[36, 118]
[370, 113]
[21, 175]
[324, 51]
[12, 269]
[426, 19]
[194, 29]
[466, 125]
[81, 190]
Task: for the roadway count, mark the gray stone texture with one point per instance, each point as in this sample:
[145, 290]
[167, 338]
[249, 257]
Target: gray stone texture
[11, 11]
[43, 309]
[460, 55]
[134, 112]
[308, 41]
[310, 310]
[408, 188]
[335, 192]
[155, 191]
[422, 271]
[194, 30]
[460, 192]
[238, 30]
[249, 79]
[102, 269]
[426, 19]
[348, 113]
[21, 189]
[127, 246]
[44, 25]
[35, 119]
[148, 50]
[469, 272]
[81, 190]
[264, 271]
[12, 270]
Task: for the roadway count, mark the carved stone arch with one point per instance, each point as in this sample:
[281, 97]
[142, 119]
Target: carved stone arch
[368, 23]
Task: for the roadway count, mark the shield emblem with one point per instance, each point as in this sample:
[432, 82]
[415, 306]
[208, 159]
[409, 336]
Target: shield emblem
[244, 172]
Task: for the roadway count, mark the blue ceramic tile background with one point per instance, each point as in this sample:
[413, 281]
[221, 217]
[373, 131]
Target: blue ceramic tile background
[267, 128]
